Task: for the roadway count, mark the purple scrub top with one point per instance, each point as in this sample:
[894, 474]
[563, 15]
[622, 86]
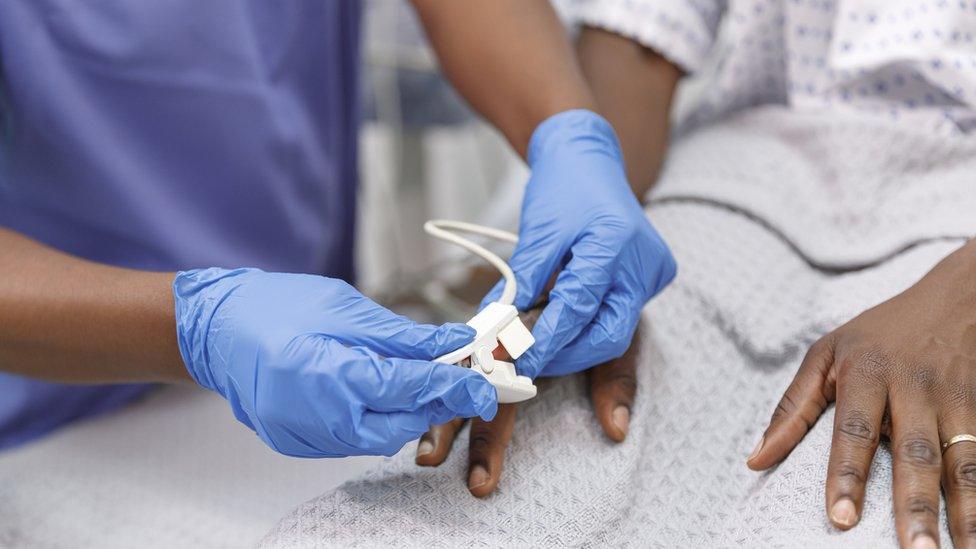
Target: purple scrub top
[172, 135]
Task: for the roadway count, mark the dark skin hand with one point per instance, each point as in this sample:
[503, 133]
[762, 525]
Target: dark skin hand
[905, 370]
[633, 87]
[613, 386]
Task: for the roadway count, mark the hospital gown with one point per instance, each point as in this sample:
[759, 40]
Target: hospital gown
[826, 168]
[909, 61]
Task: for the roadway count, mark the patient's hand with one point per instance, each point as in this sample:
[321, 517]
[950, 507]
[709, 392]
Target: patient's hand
[905, 369]
[613, 386]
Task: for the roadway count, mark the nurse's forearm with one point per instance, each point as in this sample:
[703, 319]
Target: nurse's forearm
[511, 59]
[67, 319]
[633, 87]
[513, 62]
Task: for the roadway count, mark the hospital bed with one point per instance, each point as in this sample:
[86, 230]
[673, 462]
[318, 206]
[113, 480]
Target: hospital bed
[173, 470]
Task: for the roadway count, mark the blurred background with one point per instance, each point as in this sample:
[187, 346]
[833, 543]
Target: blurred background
[423, 155]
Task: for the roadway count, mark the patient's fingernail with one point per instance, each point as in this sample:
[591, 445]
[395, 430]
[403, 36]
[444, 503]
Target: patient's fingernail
[621, 418]
[477, 477]
[425, 447]
[755, 451]
[843, 513]
[923, 541]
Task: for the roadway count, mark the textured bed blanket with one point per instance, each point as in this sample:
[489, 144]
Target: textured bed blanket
[784, 226]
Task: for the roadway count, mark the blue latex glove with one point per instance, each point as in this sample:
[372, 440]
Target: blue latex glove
[580, 215]
[296, 356]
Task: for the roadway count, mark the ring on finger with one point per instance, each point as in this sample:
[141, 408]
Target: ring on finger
[965, 437]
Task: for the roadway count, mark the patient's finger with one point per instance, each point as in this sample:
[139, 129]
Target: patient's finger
[916, 469]
[857, 429]
[488, 443]
[613, 386]
[489, 440]
[436, 443]
[802, 403]
[959, 475]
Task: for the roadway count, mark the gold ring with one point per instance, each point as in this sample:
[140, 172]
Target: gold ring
[955, 439]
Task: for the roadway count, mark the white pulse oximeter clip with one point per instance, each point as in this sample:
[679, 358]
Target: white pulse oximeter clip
[496, 324]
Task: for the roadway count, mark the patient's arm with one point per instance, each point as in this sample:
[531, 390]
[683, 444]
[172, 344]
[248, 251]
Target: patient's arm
[633, 87]
[512, 61]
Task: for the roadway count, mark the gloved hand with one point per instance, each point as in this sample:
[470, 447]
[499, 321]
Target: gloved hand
[578, 207]
[296, 358]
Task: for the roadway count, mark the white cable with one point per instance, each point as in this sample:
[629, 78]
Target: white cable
[441, 229]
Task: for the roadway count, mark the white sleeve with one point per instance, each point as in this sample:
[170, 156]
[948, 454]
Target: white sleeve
[683, 31]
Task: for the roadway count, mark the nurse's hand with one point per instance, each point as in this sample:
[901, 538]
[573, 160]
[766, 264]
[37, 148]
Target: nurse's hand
[613, 386]
[298, 359]
[905, 370]
[580, 215]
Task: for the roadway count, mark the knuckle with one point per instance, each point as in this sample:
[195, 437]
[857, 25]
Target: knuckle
[617, 382]
[787, 410]
[785, 406]
[968, 529]
[847, 368]
[858, 428]
[923, 377]
[779, 413]
[874, 362]
[819, 346]
[481, 442]
[918, 451]
[962, 473]
[922, 507]
[850, 472]
[823, 347]
[959, 396]
[626, 381]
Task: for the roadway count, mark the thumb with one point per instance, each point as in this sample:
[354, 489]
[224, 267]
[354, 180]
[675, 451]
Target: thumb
[436, 341]
[425, 341]
[389, 334]
[802, 404]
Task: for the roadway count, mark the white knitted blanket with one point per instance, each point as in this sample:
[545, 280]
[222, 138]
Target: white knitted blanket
[784, 226]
